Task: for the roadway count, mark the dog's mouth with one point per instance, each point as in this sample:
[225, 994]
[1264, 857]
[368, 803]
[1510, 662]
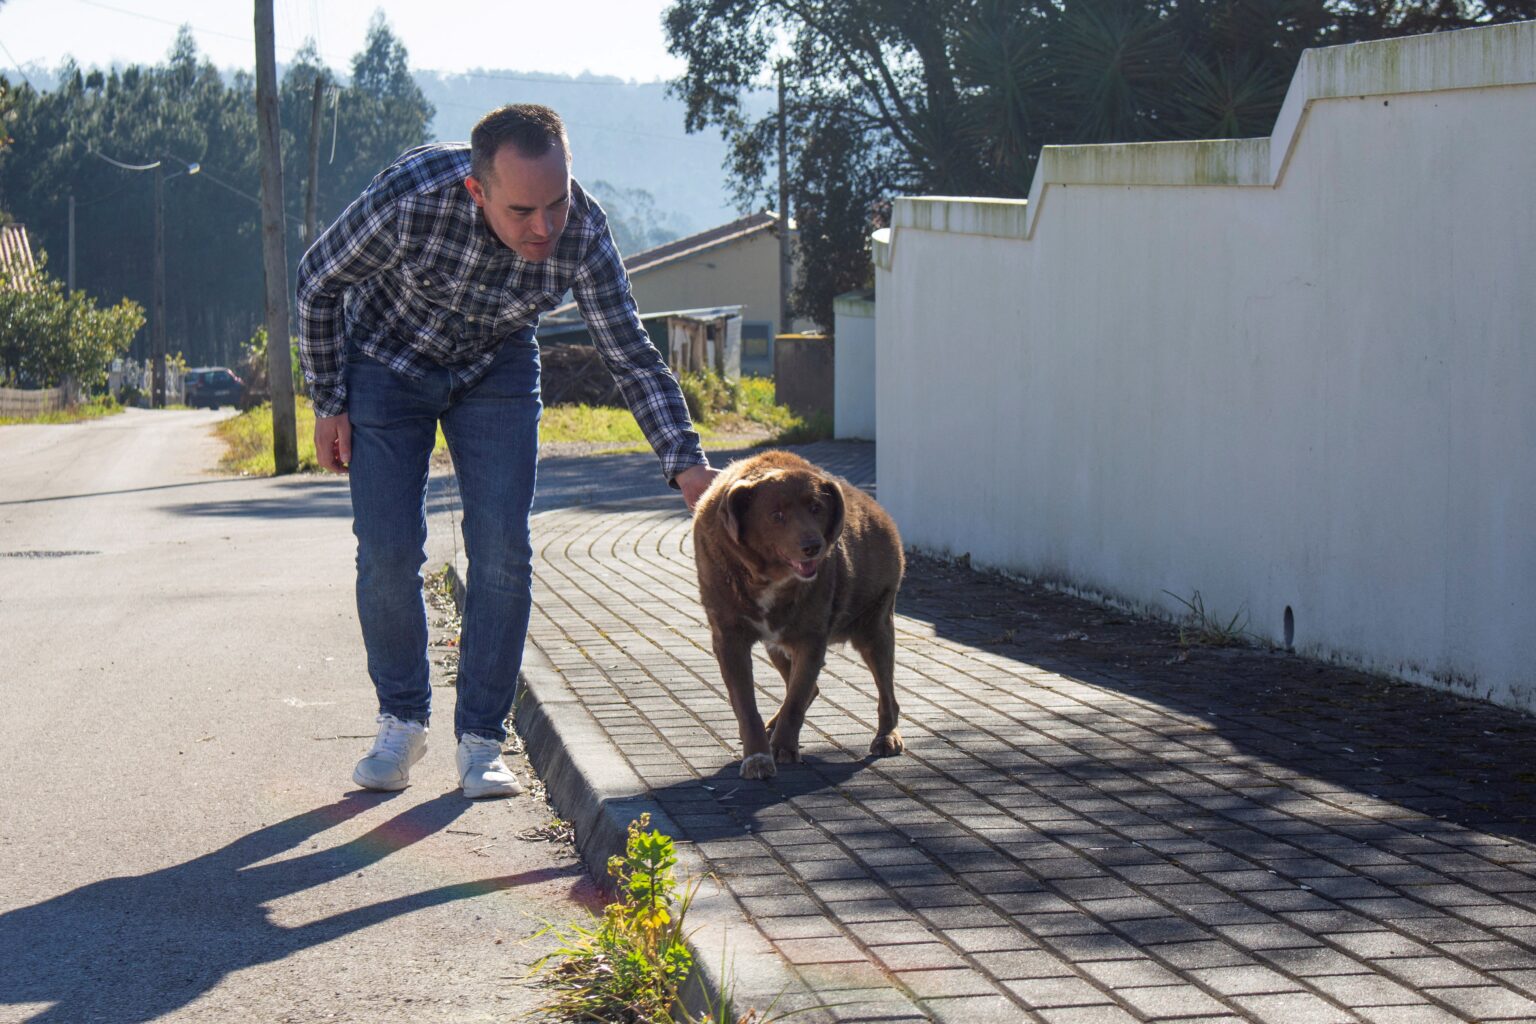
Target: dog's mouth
[805, 570]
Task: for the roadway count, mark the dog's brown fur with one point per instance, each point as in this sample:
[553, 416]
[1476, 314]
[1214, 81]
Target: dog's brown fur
[758, 519]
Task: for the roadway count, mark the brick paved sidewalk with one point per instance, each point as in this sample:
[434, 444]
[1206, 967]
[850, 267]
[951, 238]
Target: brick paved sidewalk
[1068, 839]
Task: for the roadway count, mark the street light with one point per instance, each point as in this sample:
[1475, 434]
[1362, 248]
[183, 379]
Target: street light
[157, 342]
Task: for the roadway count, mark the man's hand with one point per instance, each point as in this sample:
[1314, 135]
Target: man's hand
[693, 482]
[333, 443]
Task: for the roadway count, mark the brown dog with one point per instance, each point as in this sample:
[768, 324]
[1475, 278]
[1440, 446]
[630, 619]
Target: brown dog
[796, 558]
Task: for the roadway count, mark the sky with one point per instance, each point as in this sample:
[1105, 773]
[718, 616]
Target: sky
[622, 38]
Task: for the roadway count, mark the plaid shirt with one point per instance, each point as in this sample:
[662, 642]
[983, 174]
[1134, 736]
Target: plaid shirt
[412, 275]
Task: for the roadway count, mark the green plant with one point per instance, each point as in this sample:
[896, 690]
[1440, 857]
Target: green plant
[708, 395]
[1206, 630]
[816, 427]
[628, 965]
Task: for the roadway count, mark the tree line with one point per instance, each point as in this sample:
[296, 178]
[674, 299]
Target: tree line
[184, 111]
[956, 97]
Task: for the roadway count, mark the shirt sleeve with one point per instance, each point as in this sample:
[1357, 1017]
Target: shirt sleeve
[602, 292]
[363, 241]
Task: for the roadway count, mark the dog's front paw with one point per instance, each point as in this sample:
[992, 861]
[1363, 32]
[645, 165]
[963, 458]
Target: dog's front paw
[888, 744]
[758, 766]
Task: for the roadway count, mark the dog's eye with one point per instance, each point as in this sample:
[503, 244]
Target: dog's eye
[778, 516]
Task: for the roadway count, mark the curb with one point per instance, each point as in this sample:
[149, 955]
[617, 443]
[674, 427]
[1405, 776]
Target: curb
[600, 795]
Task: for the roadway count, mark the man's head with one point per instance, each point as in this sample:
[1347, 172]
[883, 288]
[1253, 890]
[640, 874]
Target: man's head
[520, 176]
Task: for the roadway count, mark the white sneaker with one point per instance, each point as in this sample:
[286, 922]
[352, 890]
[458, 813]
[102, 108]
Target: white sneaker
[387, 766]
[482, 772]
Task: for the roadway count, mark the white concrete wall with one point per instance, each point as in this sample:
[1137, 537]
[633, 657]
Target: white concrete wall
[1290, 372]
[853, 362]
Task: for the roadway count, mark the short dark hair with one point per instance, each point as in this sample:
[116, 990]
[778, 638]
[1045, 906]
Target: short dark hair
[531, 128]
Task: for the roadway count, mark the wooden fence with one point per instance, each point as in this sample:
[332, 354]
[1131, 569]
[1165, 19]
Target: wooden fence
[18, 403]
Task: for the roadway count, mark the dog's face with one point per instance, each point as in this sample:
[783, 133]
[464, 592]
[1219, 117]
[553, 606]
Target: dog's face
[788, 519]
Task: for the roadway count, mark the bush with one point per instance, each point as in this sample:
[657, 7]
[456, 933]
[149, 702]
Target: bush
[253, 370]
[48, 334]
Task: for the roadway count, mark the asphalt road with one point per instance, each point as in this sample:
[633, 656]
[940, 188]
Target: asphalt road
[184, 697]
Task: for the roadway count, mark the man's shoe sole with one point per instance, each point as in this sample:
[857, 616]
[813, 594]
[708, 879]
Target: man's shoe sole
[494, 790]
[380, 787]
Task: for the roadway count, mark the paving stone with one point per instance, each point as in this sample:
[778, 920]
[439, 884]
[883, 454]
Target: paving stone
[956, 982]
[1042, 993]
[1378, 944]
[1364, 990]
[1313, 962]
[1166, 1001]
[985, 940]
[1251, 979]
[1292, 1008]
[821, 950]
[801, 927]
[1486, 1002]
[977, 1010]
[1195, 955]
[1418, 1014]
[1116, 974]
[1421, 972]
[919, 956]
[1107, 1014]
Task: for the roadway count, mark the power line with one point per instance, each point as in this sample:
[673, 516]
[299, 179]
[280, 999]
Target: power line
[17, 65]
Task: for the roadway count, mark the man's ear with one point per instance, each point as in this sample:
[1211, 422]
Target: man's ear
[476, 190]
[733, 510]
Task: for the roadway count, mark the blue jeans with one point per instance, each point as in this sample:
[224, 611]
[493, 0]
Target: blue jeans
[492, 431]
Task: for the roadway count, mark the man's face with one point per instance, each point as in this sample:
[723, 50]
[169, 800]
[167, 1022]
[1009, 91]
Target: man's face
[526, 200]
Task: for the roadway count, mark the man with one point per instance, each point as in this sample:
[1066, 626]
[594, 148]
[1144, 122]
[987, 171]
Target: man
[418, 307]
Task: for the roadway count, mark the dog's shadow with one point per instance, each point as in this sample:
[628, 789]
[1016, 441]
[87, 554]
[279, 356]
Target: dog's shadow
[723, 804]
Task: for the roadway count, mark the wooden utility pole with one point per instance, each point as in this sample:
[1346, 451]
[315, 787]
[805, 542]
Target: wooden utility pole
[785, 272]
[312, 187]
[71, 277]
[285, 454]
[157, 334]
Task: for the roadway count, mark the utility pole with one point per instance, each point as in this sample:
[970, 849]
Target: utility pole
[784, 265]
[285, 455]
[312, 187]
[785, 272]
[157, 342]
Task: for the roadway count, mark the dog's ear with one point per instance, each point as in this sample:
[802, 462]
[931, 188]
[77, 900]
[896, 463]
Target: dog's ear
[733, 510]
[832, 495]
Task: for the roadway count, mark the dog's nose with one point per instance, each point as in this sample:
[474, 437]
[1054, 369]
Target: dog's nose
[811, 550]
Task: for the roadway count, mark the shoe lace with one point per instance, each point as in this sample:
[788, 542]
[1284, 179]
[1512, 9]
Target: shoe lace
[394, 739]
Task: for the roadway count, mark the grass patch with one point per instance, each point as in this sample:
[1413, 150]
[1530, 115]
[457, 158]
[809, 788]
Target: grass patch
[95, 409]
[718, 407]
[1205, 629]
[248, 438]
[599, 423]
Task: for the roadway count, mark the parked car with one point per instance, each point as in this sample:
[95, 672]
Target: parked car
[212, 386]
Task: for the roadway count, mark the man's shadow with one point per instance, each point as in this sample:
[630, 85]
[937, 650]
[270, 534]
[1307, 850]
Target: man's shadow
[136, 947]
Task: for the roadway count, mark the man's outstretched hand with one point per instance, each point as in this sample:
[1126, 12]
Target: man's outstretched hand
[693, 482]
[333, 443]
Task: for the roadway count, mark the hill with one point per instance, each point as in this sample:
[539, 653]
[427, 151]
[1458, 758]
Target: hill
[627, 134]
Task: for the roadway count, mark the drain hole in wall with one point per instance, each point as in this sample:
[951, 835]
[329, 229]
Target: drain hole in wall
[1290, 628]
